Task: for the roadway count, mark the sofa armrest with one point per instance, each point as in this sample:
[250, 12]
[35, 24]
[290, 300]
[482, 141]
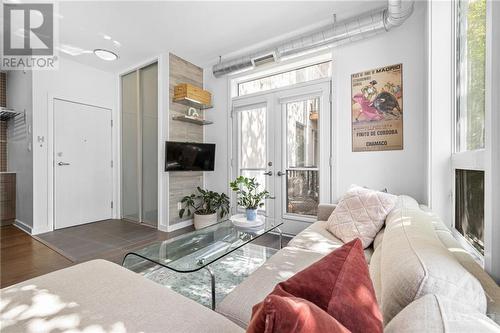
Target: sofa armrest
[325, 210]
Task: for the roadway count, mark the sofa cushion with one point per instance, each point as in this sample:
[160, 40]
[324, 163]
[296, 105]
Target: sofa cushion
[278, 314]
[415, 263]
[316, 238]
[237, 305]
[375, 273]
[360, 214]
[378, 239]
[340, 284]
[491, 288]
[438, 314]
[100, 296]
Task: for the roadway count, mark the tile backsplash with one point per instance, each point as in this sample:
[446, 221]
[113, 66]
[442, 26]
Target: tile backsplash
[3, 146]
[3, 89]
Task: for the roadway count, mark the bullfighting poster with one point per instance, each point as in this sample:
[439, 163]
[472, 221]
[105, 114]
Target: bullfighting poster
[377, 109]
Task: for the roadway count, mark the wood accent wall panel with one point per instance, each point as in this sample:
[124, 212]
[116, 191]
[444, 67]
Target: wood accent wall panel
[182, 183]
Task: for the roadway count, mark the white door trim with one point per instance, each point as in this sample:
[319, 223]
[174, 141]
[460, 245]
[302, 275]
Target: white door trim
[50, 155]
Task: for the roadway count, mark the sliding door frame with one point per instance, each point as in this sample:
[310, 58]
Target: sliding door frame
[137, 69]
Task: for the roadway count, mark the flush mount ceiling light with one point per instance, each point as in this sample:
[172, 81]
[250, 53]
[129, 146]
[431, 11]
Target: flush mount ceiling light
[105, 54]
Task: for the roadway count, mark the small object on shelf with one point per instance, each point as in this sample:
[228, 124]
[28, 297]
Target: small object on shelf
[192, 96]
[192, 120]
[240, 220]
[6, 114]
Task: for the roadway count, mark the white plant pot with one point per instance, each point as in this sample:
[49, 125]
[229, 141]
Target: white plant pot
[202, 221]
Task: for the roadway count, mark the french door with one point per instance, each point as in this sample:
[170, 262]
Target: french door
[282, 138]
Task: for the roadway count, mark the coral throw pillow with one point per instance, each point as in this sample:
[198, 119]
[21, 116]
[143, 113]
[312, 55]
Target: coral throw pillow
[361, 213]
[277, 314]
[339, 284]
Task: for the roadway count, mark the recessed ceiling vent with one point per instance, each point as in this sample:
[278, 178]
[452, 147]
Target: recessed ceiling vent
[265, 59]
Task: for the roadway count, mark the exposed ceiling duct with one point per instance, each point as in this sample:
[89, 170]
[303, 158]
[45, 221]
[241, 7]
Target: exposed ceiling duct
[342, 32]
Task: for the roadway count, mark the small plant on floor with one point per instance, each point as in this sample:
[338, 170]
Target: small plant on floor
[205, 205]
[249, 196]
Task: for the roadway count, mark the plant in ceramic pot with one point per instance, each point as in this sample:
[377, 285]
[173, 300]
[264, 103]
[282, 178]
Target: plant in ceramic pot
[249, 196]
[205, 205]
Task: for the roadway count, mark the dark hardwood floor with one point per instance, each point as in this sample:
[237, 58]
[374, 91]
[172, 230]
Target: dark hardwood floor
[22, 257]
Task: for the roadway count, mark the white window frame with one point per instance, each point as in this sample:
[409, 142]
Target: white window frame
[472, 159]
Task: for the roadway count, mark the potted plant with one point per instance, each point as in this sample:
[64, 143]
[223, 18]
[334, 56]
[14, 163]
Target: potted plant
[205, 205]
[249, 196]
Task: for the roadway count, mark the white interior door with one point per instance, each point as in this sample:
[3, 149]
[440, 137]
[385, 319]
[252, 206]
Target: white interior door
[283, 139]
[83, 177]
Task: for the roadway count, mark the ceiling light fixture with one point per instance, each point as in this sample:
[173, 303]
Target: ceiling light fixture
[105, 54]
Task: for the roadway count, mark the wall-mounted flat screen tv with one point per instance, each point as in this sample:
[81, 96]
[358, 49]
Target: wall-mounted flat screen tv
[189, 156]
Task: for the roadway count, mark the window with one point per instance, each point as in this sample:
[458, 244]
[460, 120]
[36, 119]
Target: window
[469, 206]
[300, 75]
[468, 160]
[471, 52]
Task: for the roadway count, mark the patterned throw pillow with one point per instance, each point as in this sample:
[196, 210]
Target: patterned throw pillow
[360, 214]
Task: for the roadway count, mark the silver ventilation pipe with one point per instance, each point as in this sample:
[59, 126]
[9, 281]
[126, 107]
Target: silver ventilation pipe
[340, 33]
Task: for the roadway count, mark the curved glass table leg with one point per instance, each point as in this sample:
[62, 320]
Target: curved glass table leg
[281, 237]
[212, 281]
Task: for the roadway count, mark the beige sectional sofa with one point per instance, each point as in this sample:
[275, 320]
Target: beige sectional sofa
[413, 256]
[424, 281]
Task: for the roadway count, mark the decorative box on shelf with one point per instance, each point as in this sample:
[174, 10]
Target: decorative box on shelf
[193, 96]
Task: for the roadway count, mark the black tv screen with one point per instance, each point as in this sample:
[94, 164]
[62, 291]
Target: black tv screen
[189, 156]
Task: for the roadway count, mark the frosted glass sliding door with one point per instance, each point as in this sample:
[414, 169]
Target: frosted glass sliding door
[140, 145]
[149, 103]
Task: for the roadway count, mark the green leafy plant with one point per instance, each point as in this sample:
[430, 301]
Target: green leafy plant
[205, 203]
[247, 190]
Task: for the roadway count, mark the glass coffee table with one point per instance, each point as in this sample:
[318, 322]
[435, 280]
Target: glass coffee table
[198, 249]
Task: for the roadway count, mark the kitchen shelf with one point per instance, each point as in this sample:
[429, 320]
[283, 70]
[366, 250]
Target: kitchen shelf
[193, 103]
[6, 114]
[192, 120]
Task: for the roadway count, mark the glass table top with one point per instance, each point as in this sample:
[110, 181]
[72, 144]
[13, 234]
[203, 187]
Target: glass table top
[198, 249]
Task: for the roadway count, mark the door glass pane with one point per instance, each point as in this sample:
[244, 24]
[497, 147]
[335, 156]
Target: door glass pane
[149, 122]
[302, 157]
[469, 206]
[252, 144]
[130, 147]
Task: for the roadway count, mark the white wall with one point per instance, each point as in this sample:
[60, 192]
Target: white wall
[440, 94]
[75, 82]
[400, 171]
[19, 143]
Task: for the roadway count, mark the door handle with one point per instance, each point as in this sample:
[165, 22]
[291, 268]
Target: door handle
[273, 197]
[279, 174]
[62, 163]
[269, 173]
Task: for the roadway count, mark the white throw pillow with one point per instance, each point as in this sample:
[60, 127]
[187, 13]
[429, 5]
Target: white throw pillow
[360, 214]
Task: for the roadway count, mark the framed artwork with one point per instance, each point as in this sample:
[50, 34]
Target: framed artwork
[377, 109]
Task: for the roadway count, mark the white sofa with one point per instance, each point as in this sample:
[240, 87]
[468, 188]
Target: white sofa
[423, 279]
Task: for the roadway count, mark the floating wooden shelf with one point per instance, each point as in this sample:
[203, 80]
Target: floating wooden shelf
[192, 120]
[193, 103]
[193, 96]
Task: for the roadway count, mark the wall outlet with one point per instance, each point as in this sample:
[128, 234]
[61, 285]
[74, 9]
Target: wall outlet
[179, 205]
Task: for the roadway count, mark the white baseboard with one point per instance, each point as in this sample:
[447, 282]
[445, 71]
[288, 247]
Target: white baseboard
[23, 226]
[179, 225]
